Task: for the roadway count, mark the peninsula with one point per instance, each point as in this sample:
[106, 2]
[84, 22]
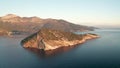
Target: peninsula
[51, 39]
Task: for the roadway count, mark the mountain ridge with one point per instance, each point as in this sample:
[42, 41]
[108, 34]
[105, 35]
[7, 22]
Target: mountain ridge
[12, 22]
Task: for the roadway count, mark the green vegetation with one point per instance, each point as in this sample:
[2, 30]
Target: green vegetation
[50, 34]
[31, 37]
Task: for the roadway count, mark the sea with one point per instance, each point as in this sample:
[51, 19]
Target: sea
[103, 52]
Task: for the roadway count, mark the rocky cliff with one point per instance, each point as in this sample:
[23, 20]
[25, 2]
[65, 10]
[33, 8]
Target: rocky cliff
[49, 39]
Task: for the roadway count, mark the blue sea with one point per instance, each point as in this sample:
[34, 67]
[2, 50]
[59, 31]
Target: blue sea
[103, 52]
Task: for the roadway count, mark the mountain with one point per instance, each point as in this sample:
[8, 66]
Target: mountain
[49, 39]
[11, 18]
[29, 25]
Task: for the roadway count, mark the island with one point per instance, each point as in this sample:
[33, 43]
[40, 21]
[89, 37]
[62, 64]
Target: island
[51, 39]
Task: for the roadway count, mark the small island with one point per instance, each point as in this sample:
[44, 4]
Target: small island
[51, 39]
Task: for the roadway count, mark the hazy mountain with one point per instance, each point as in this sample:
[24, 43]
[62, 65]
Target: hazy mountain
[13, 22]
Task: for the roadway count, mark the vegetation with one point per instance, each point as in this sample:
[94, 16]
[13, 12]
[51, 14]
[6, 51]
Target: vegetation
[51, 34]
[31, 37]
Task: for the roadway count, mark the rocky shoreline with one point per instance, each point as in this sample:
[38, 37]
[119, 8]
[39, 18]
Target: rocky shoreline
[48, 39]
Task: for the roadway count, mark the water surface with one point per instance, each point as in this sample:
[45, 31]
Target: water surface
[97, 53]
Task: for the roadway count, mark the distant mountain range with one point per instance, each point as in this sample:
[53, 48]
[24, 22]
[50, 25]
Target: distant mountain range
[13, 22]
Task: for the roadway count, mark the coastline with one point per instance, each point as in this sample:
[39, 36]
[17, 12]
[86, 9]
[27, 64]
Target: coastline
[75, 42]
[64, 43]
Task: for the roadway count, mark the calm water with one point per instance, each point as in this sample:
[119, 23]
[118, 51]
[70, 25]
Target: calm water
[103, 52]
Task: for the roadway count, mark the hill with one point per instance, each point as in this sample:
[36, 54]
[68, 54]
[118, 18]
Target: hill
[49, 39]
[29, 25]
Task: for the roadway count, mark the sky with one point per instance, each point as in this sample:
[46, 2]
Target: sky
[101, 13]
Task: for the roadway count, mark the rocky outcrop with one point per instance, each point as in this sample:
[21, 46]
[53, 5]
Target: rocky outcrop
[49, 39]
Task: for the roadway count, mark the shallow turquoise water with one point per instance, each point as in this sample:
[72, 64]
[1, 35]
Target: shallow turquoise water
[97, 53]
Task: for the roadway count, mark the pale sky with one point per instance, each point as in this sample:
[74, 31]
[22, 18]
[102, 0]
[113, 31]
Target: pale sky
[86, 12]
